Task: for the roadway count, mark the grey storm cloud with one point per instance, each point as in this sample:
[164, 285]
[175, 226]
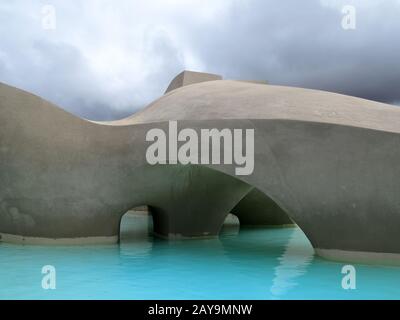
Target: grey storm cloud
[107, 59]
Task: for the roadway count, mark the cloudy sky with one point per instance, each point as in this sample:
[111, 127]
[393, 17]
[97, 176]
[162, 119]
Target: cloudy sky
[105, 59]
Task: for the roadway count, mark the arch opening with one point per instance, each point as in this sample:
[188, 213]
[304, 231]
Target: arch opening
[136, 224]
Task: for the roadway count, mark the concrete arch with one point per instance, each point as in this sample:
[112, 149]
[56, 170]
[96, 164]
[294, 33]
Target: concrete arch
[331, 162]
[194, 202]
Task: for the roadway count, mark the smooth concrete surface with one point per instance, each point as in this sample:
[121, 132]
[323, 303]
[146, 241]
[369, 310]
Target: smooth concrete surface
[330, 162]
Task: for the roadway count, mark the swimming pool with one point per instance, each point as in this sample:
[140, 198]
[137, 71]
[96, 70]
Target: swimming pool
[250, 263]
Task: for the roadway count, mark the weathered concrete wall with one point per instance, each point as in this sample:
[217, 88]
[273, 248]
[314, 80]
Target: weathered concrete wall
[331, 162]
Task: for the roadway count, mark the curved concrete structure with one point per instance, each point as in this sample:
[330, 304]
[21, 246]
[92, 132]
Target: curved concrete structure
[331, 162]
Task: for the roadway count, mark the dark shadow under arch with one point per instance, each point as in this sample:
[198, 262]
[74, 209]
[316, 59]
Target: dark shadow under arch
[257, 209]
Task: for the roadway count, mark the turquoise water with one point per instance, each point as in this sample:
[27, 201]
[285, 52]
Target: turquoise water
[247, 264]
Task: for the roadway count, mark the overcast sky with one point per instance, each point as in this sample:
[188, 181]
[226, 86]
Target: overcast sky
[106, 59]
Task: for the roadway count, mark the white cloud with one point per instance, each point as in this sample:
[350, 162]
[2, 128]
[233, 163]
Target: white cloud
[103, 54]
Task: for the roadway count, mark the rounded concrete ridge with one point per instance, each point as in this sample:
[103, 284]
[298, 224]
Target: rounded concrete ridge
[228, 99]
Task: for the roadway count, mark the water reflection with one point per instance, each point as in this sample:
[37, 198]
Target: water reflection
[240, 250]
[292, 264]
[136, 234]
